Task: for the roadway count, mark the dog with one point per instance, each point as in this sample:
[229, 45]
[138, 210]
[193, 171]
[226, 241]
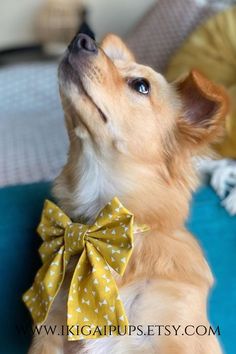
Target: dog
[134, 135]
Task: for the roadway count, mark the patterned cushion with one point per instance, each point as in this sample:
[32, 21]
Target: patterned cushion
[211, 50]
[161, 31]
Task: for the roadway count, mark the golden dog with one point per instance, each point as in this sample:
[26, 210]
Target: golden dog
[133, 135]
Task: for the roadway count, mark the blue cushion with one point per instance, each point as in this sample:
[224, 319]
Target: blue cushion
[20, 210]
[216, 232]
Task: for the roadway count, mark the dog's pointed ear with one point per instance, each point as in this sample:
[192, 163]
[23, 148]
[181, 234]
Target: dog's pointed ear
[205, 106]
[115, 48]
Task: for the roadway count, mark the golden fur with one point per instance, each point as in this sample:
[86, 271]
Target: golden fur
[141, 149]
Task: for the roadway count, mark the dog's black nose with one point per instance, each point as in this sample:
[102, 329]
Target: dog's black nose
[87, 43]
[82, 42]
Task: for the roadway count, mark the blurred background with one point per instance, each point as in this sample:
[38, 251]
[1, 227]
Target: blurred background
[19, 18]
[172, 37]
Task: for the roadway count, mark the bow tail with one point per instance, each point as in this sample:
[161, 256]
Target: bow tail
[94, 306]
[47, 283]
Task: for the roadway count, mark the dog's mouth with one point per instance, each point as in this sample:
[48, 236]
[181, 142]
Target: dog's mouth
[68, 72]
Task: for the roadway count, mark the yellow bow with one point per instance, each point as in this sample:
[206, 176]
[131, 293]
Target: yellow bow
[93, 300]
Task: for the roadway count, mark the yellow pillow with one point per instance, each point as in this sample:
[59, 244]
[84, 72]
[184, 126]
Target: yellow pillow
[212, 50]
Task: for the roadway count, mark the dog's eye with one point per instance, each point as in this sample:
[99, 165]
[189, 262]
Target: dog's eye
[140, 85]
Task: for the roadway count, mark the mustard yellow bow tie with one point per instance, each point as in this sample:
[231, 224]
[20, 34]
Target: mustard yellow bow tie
[93, 299]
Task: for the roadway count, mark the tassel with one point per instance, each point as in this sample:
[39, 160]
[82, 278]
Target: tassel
[222, 175]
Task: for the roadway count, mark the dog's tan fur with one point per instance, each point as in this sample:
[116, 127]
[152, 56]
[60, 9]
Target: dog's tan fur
[143, 154]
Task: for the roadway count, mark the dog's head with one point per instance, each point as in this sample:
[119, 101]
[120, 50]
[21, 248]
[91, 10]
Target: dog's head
[139, 129]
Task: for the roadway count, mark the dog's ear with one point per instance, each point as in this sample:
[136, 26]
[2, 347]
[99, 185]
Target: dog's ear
[205, 105]
[115, 48]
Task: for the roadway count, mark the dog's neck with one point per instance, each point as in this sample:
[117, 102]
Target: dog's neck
[88, 182]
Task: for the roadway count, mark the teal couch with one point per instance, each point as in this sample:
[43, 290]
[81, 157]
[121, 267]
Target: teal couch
[20, 209]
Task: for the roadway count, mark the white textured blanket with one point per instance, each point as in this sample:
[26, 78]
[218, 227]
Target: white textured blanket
[33, 141]
[222, 175]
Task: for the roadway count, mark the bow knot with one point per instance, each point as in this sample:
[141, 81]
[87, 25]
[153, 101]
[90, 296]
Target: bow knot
[75, 238]
[93, 295]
